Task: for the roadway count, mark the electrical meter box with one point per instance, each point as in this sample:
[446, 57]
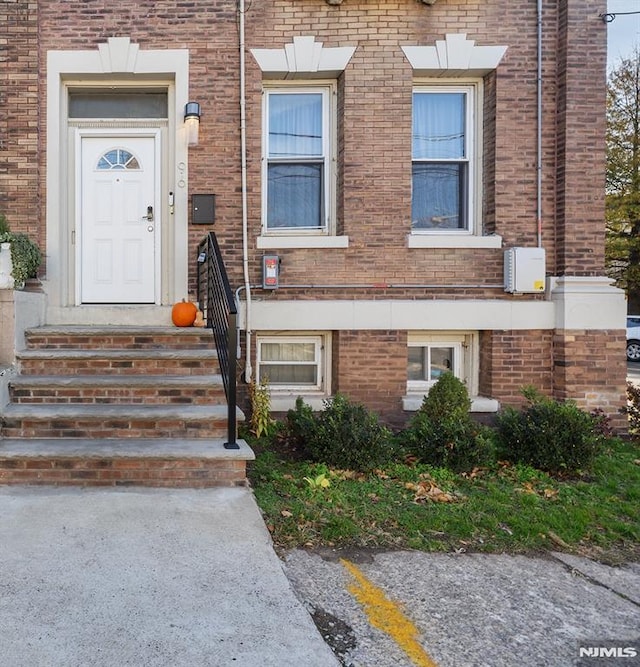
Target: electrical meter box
[270, 272]
[524, 270]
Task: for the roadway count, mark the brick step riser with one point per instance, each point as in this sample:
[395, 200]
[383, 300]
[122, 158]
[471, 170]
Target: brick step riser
[121, 342]
[119, 396]
[158, 472]
[114, 428]
[85, 367]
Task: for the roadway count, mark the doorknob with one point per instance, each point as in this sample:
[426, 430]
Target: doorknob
[149, 215]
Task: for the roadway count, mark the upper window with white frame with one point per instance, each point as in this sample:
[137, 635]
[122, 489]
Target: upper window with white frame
[444, 140]
[297, 178]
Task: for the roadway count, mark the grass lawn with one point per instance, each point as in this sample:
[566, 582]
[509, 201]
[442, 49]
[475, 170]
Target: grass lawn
[506, 508]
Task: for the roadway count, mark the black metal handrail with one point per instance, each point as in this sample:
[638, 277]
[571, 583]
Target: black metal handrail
[220, 311]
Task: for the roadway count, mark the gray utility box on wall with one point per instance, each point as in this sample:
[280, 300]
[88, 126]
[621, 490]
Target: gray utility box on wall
[203, 209]
[524, 270]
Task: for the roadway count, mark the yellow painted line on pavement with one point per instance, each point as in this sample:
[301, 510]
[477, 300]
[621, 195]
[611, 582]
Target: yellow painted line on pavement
[387, 616]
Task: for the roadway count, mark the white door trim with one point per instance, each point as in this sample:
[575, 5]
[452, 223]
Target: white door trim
[113, 63]
[115, 133]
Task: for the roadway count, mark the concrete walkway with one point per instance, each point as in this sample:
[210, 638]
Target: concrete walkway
[470, 610]
[188, 578]
[153, 577]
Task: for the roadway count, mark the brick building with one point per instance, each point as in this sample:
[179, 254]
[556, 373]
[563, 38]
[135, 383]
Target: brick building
[398, 153]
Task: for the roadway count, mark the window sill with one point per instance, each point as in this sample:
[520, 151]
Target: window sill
[412, 403]
[284, 402]
[453, 241]
[275, 242]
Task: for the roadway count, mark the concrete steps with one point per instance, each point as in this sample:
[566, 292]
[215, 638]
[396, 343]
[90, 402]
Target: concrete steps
[172, 389]
[117, 362]
[118, 395]
[194, 463]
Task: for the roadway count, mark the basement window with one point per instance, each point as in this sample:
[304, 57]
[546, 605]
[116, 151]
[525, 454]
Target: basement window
[294, 365]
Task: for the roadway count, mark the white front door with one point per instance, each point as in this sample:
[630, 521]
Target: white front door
[119, 225]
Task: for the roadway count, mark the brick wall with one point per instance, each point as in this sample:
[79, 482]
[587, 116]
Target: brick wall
[374, 152]
[581, 132]
[371, 367]
[373, 157]
[511, 360]
[587, 365]
[19, 90]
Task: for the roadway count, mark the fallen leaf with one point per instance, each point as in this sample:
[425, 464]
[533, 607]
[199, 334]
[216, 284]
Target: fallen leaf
[503, 526]
[527, 487]
[476, 472]
[427, 490]
[286, 513]
[637, 462]
[550, 494]
[347, 474]
[558, 540]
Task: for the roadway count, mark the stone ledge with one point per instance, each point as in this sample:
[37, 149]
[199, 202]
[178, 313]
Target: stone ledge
[165, 448]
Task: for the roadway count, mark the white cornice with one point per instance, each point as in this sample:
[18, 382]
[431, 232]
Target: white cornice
[304, 57]
[454, 56]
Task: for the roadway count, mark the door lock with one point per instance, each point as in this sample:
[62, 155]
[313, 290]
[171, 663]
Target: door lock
[149, 215]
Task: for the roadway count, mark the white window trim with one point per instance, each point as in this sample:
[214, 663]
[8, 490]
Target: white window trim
[329, 130]
[460, 240]
[467, 343]
[277, 241]
[284, 397]
[474, 143]
[303, 57]
[455, 53]
[424, 386]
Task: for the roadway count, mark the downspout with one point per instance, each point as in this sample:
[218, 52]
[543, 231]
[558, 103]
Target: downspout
[539, 129]
[245, 224]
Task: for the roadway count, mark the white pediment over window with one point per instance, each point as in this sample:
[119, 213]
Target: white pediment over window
[304, 57]
[454, 56]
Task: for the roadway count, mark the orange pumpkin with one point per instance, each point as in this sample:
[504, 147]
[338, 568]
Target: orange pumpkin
[183, 314]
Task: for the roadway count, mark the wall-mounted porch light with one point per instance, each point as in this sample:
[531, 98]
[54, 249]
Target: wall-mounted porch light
[192, 122]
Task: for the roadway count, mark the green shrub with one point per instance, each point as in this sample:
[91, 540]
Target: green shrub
[344, 434]
[25, 254]
[632, 409]
[26, 258]
[442, 433]
[260, 422]
[447, 398]
[548, 435]
[5, 232]
[299, 426]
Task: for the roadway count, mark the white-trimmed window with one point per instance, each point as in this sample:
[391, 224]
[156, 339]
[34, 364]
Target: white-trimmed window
[428, 361]
[432, 353]
[298, 149]
[444, 147]
[291, 363]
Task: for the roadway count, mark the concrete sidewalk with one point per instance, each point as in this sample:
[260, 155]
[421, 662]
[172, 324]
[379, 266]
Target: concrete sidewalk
[470, 610]
[152, 577]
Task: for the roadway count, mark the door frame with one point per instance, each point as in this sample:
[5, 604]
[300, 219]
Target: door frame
[121, 63]
[115, 132]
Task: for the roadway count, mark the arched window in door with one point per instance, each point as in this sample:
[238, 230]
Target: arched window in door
[118, 158]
